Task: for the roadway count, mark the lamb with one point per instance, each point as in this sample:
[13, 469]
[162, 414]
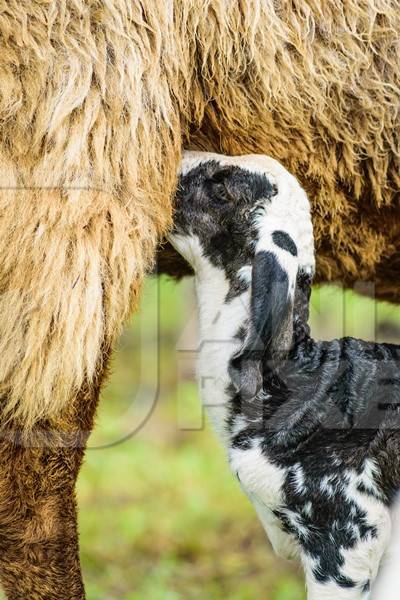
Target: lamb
[310, 428]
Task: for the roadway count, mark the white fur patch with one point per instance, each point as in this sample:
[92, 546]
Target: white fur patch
[258, 475]
[283, 544]
[298, 479]
[219, 322]
[262, 482]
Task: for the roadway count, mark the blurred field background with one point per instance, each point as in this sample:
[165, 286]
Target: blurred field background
[161, 518]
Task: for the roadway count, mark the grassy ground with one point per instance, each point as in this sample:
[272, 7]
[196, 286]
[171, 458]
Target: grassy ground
[161, 518]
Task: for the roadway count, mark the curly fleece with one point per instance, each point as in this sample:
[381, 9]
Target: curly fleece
[96, 100]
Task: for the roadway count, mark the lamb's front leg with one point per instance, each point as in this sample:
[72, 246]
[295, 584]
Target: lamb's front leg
[334, 568]
[338, 569]
[338, 519]
[342, 538]
[321, 586]
[328, 591]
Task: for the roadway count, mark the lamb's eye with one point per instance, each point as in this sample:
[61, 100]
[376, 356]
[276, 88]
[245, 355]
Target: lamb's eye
[219, 186]
[220, 195]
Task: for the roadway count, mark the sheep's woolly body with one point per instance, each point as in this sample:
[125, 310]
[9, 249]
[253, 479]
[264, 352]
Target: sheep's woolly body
[96, 98]
[89, 142]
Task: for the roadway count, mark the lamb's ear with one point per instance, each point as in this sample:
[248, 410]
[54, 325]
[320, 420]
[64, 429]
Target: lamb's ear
[270, 312]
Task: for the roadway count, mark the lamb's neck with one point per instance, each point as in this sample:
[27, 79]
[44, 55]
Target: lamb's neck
[217, 315]
[219, 323]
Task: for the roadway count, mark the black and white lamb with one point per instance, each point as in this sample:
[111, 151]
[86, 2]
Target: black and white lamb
[311, 428]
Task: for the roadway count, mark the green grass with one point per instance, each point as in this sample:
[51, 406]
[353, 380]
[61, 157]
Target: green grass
[161, 517]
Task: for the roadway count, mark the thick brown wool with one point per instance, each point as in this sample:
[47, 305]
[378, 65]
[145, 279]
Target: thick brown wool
[96, 100]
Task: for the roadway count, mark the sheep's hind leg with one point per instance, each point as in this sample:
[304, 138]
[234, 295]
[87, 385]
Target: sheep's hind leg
[38, 528]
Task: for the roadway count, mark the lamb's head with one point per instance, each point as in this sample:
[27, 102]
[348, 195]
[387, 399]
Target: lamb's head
[247, 218]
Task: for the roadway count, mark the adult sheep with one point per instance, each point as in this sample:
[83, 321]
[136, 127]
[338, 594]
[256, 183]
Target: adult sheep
[96, 100]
